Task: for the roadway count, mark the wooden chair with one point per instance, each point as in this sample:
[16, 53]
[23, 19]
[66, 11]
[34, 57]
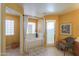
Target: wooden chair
[69, 44]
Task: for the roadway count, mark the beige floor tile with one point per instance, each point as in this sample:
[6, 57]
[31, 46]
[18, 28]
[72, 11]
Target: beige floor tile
[50, 51]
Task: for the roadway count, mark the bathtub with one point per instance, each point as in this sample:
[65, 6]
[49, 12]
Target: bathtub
[34, 43]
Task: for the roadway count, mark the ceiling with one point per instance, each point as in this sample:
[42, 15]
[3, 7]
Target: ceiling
[42, 9]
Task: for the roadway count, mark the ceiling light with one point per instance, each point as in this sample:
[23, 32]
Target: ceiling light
[50, 9]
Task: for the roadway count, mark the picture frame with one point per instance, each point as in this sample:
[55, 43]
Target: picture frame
[66, 29]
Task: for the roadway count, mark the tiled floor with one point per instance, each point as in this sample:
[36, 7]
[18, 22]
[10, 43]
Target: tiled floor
[13, 52]
[50, 51]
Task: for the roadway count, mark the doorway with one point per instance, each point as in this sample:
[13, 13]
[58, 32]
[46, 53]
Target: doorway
[8, 24]
[50, 32]
[12, 31]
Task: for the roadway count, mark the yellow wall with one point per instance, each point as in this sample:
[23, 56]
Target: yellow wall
[16, 36]
[73, 18]
[54, 17]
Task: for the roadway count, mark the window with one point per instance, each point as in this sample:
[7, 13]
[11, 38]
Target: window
[9, 27]
[31, 27]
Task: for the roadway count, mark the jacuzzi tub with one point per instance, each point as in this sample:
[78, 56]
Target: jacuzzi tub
[35, 42]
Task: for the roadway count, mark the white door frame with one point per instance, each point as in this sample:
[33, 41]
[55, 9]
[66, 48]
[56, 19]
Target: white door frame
[3, 33]
[25, 34]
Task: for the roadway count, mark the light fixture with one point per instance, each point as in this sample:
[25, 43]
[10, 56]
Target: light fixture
[50, 8]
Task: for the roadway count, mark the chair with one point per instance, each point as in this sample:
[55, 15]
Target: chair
[69, 44]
